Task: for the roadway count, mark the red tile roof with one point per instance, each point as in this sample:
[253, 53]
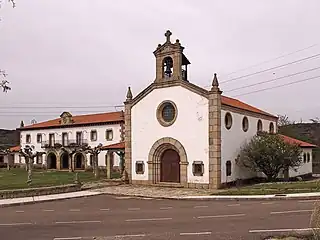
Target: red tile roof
[296, 141]
[81, 120]
[15, 149]
[241, 105]
[119, 145]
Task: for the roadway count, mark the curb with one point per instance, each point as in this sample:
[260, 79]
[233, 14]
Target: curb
[46, 200]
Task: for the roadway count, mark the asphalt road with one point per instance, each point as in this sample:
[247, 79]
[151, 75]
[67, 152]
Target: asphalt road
[110, 217]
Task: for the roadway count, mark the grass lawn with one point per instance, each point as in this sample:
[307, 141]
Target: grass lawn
[274, 188]
[16, 178]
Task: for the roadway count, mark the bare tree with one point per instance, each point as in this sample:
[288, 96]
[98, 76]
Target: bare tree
[283, 120]
[315, 120]
[94, 152]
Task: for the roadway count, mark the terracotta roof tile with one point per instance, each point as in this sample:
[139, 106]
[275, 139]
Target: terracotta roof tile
[119, 145]
[81, 119]
[241, 105]
[296, 141]
[15, 149]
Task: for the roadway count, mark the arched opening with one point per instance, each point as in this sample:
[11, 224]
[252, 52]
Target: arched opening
[64, 160]
[170, 166]
[167, 67]
[259, 126]
[51, 161]
[79, 161]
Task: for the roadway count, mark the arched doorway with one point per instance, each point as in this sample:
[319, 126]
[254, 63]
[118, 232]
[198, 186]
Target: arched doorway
[79, 161]
[170, 166]
[64, 160]
[51, 161]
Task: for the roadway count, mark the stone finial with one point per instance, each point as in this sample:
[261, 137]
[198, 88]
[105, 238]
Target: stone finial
[129, 94]
[168, 35]
[215, 83]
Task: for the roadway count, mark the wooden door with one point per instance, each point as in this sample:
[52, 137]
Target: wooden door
[170, 166]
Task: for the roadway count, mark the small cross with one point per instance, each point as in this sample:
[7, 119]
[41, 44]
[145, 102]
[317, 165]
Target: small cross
[168, 34]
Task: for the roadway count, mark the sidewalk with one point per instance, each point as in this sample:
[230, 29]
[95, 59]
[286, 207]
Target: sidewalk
[156, 192]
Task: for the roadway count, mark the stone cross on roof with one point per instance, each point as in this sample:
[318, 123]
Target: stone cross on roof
[168, 35]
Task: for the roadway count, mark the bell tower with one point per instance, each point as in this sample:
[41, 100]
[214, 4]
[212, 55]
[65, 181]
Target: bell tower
[171, 63]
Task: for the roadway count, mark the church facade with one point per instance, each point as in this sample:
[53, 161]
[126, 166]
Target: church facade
[177, 133]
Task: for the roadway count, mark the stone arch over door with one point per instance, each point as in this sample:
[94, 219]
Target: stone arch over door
[79, 161]
[52, 160]
[155, 155]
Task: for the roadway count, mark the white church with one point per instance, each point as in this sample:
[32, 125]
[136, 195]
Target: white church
[172, 133]
[177, 133]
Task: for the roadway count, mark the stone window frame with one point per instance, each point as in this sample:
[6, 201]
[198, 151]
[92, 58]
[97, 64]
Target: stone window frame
[39, 159]
[39, 138]
[304, 157]
[308, 157]
[138, 165]
[28, 138]
[228, 168]
[109, 130]
[228, 115]
[245, 124]
[259, 126]
[199, 164]
[91, 135]
[159, 113]
[271, 127]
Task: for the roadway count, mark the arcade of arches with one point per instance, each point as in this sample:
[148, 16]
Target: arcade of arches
[63, 161]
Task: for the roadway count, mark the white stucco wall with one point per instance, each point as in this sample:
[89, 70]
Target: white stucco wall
[190, 128]
[305, 167]
[233, 139]
[101, 138]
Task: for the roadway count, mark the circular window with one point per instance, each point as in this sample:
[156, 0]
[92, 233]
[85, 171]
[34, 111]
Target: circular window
[271, 128]
[245, 124]
[259, 126]
[167, 113]
[228, 120]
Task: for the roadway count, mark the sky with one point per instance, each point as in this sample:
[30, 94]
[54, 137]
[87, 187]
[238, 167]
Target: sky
[80, 56]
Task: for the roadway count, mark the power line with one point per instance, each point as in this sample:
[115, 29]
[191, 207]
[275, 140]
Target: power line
[272, 80]
[63, 107]
[270, 60]
[272, 68]
[283, 85]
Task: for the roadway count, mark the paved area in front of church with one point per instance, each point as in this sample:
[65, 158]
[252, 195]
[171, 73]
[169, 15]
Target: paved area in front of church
[116, 217]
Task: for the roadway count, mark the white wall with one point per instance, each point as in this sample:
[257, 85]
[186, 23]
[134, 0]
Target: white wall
[233, 139]
[190, 128]
[101, 138]
[305, 167]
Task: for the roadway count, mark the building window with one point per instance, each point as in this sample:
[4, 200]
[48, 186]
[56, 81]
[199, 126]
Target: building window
[39, 138]
[308, 157]
[197, 168]
[28, 138]
[228, 168]
[271, 128]
[139, 167]
[167, 113]
[245, 124]
[94, 135]
[64, 139]
[259, 126]
[228, 120]
[91, 160]
[109, 134]
[39, 159]
[304, 158]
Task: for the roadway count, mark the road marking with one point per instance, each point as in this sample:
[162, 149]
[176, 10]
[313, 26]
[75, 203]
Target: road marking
[308, 201]
[267, 203]
[147, 219]
[165, 208]
[234, 205]
[282, 230]
[200, 206]
[20, 211]
[68, 238]
[133, 235]
[74, 210]
[196, 233]
[293, 211]
[14, 224]
[133, 209]
[120, 198]
[74, 222]
[222, 216]
[48, 210]
[104, 209]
